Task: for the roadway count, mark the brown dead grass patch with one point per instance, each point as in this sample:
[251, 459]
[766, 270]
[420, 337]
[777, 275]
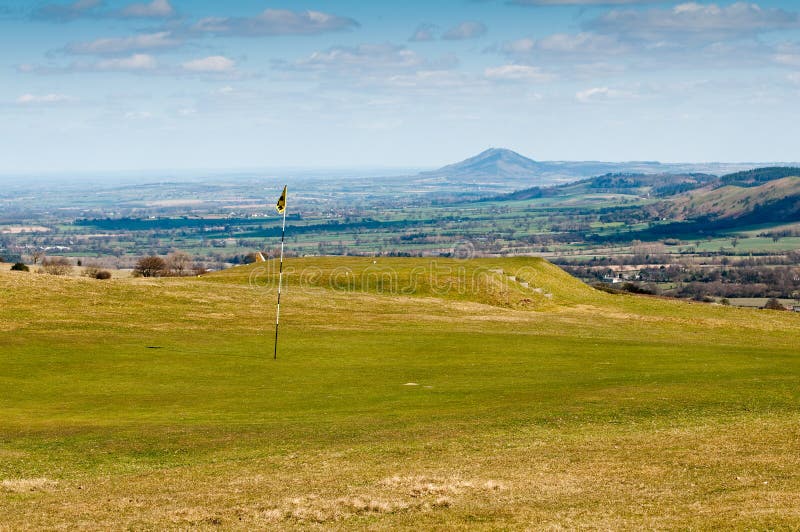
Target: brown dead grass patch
[392, 495]
[28, 485]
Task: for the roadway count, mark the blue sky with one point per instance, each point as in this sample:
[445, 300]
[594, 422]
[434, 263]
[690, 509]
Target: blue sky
[93, 85]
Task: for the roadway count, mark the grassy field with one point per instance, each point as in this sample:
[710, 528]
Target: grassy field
[407, 395]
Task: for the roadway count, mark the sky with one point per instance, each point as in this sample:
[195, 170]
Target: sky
[134, 85]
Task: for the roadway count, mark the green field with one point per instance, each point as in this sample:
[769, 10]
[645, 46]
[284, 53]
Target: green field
[408, 394]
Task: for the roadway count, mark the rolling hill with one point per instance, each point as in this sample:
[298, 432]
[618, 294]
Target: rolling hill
[405, 396]
[690, 203]
[657, 185]
[772, 201]
[759, 176]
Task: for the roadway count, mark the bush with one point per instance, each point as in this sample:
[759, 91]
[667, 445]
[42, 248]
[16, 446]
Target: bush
[19, 267]
[57, 266]
[605, 287]
[91, 271]
[626, 288]
[774, 304]
[634, 288]
[103, 274]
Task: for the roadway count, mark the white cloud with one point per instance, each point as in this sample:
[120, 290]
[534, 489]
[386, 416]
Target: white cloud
[93, 9]
[366, 58]
[423, 33]
[788, 59]
[144, 64]
[601, 93]
[691, 20]
[66, 12]
[149, 41]
[154, 9]
[43, 99]
[138, 115]
[518, 73]
[690, 33]
[275, 22]
[134, 63]
[215, 64]
[435, 81]
[466, 30]
[579, 44]
[582, 2]
[787, 54]
[519, 46]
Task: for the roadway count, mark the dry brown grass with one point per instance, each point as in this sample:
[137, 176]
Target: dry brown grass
[744, 473]
[28, 485]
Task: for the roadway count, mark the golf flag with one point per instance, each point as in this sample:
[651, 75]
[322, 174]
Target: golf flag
[281, 206]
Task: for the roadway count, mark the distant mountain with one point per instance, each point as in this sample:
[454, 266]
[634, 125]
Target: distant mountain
[502, 171]
[492, 164]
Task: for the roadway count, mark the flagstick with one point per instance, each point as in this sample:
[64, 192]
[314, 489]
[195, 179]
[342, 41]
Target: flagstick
[280, 282]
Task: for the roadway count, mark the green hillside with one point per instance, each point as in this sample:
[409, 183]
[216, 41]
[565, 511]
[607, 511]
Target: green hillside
[773, 201]
[155, 403]
[759, 176]
[635, 184]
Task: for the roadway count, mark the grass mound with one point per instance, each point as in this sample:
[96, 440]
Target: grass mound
[520, 283]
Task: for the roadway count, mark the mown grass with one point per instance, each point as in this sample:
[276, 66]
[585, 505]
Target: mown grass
[155, 403]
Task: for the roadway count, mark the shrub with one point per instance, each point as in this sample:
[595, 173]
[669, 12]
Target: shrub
[605, 287]
[19, 267]
[626, 288]
[91, 271]
[103, 274]
[57, 266]
[774, 304]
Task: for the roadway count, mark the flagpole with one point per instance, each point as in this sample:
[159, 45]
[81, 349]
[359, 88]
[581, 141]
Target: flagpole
[280, 282]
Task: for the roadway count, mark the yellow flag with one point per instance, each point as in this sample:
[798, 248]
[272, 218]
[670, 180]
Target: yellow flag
[281, 206]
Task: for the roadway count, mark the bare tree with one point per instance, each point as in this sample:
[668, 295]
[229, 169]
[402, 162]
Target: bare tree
[151, 266]
[178, 263]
